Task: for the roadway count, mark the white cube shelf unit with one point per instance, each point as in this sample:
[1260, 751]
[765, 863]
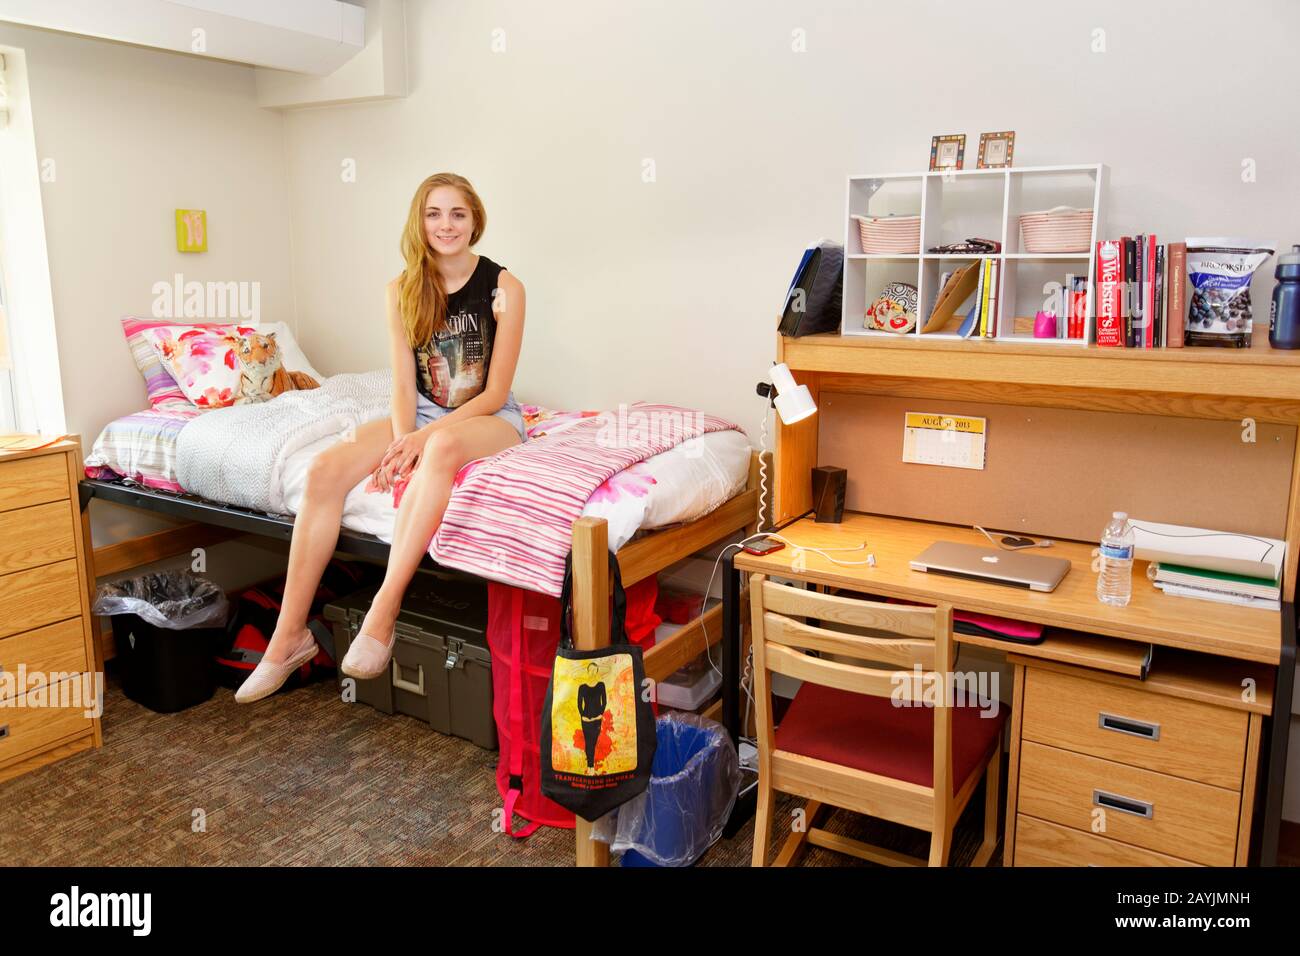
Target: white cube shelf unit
[963, 204]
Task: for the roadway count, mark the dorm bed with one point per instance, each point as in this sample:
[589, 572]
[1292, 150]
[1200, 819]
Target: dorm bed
[651, 515]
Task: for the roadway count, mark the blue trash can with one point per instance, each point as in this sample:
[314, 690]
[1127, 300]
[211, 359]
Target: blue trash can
[694, 780]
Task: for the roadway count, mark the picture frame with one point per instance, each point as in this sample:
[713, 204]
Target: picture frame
[997, 150]
[191, 230]
[947, 152]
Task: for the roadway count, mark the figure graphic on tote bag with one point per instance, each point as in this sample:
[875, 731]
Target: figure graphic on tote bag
[591, 711]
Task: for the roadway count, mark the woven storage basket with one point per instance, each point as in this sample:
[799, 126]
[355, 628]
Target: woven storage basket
[890, 235]
[1063, 229]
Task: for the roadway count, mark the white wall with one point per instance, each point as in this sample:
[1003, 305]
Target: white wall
[134, 134]
[668, 291]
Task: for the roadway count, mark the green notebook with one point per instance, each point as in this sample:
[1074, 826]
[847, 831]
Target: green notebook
[1218, 580]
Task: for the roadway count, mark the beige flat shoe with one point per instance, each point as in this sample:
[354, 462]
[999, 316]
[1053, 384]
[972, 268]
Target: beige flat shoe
[268, 677]
[368, 657]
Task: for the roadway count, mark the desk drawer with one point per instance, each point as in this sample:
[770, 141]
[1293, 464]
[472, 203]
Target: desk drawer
[30, 537]
[1039, 843]
[27, 729]
[32, 599]
[1184, 738]
[58, 648]
[33, 481]
[1167, 814]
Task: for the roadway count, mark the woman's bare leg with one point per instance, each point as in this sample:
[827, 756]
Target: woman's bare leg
[423, 505]
[332, 474]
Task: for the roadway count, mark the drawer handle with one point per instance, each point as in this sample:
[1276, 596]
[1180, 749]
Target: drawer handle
[1113, 801]
[1126, 725]
[4, 731]
[400, 684]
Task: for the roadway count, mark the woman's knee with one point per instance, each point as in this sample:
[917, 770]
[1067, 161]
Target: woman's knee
[442, 452]
[325, 474]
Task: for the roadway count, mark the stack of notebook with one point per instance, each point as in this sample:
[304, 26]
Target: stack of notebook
[1181, 580]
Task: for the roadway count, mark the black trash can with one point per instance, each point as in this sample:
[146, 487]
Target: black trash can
[167, 627]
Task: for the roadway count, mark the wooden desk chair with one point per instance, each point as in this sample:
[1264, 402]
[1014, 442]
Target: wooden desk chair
[845, 741]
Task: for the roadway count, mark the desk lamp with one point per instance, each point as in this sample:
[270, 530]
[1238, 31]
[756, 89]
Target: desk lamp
[793, 403]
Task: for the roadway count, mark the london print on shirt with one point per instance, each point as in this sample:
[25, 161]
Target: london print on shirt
[453, 366]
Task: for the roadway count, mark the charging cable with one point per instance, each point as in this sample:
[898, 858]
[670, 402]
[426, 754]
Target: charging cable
[1013, 543]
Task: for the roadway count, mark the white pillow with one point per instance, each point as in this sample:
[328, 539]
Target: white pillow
[293, 357]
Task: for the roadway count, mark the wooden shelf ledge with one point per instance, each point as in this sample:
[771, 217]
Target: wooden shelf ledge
[1257, 373]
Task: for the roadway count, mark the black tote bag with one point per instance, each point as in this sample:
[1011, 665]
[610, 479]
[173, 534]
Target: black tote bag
[598, 726]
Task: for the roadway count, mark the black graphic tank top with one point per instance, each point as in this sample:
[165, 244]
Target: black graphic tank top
[452, 367]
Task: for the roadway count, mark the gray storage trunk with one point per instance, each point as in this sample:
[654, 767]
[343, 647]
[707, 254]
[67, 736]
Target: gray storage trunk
[441, 671]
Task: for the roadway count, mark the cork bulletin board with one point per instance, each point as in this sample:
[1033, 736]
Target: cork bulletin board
[1061, 472]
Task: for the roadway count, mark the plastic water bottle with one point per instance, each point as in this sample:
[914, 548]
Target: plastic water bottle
[1115, 582]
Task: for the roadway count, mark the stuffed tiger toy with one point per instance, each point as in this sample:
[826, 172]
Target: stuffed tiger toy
[262, 374]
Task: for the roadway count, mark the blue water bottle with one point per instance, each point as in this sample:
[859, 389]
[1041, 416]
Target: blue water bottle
[1284, 313]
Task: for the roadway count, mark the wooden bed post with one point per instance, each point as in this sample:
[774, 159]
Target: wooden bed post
[590, 631]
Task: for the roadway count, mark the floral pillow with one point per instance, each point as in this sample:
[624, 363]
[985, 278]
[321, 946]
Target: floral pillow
[158, 379]
[202, 360]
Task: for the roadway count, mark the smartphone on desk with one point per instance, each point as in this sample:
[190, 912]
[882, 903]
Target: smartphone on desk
[760, 548]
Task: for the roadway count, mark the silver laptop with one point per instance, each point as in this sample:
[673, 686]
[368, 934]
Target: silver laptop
[1033, 571]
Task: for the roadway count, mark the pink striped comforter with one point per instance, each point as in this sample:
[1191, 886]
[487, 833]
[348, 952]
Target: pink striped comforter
[510, 517]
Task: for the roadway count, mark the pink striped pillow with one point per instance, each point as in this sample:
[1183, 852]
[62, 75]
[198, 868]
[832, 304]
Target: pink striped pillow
[158, 380]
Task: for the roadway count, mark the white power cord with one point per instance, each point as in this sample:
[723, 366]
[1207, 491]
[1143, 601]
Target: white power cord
[747, 672]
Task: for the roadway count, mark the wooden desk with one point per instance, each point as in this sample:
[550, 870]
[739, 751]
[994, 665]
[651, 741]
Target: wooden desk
[1246, 643]
[1168, 425]
[1246, 634]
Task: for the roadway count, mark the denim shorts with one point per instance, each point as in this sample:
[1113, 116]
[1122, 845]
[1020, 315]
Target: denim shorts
[427, 411]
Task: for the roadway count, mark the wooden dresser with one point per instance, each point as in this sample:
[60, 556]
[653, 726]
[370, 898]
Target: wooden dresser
[1111, 770]
[48, 666]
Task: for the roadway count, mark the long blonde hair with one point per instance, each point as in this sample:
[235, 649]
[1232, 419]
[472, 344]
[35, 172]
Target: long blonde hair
[422, 299]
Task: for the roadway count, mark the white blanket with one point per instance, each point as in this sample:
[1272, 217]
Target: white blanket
[238, 454]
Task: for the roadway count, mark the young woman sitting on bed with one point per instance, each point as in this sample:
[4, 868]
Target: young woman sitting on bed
[455, 326]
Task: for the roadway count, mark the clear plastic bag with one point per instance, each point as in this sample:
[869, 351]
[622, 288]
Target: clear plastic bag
[693, 786]
[172, 600]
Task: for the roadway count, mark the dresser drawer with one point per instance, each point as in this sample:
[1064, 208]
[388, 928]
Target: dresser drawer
[1039, 843]
[1184, 738]
[33, 481]
[27, 729]
[56, 649]
[1167, 814]
[32, 599]
[41, 534]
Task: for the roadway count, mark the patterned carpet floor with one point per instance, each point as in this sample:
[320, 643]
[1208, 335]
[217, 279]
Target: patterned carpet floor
[306, 779]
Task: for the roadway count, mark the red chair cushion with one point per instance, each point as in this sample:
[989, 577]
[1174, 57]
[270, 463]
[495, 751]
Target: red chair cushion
[872, 734]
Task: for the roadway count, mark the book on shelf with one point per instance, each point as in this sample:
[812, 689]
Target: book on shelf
[1176, 293]
[970, 323]
[991, 306]
[1148, 288]
[1228, 583]
[1160, 297]
[1130, 283]
[1110, 292]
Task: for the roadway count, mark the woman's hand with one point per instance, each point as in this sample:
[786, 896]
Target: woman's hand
[400, 459]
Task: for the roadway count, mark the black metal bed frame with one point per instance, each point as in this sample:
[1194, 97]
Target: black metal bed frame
[190, 507]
